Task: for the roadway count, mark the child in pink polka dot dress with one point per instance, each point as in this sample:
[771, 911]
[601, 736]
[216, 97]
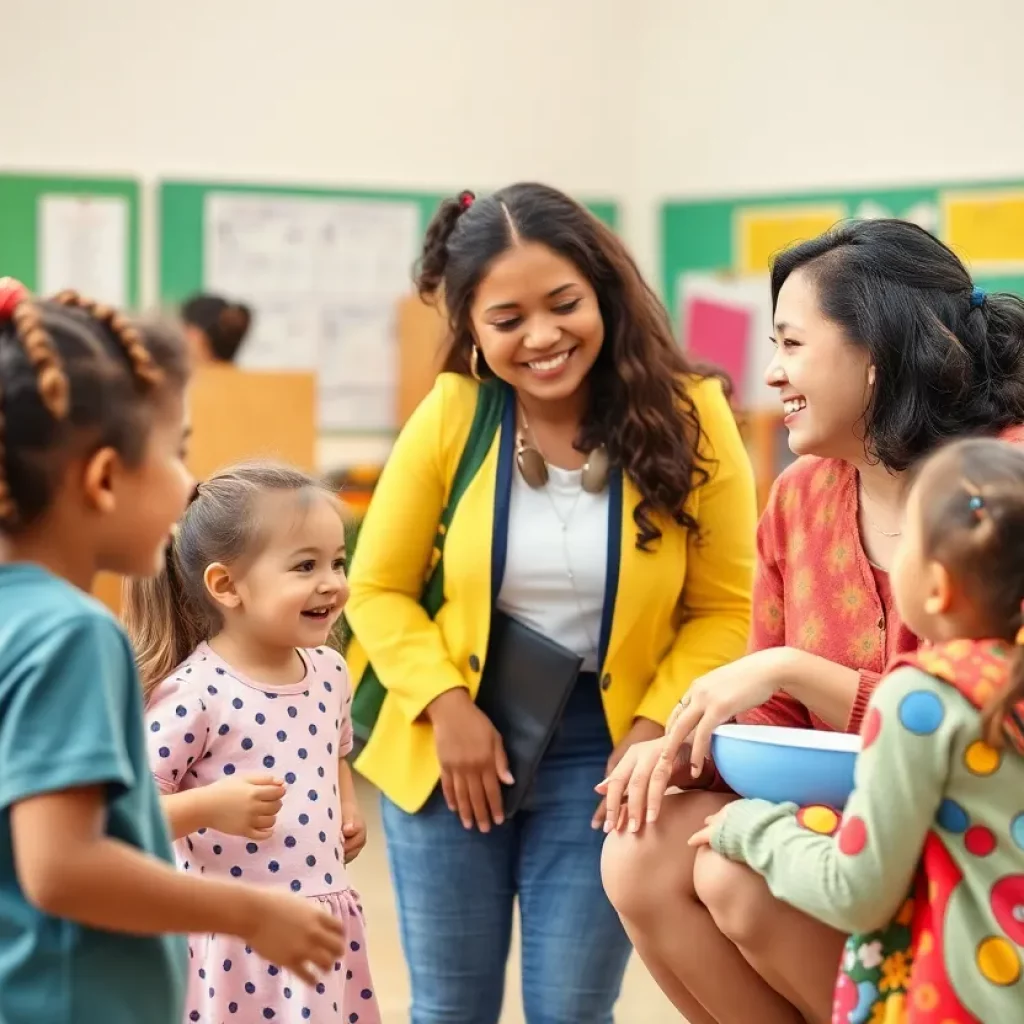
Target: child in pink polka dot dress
[925, 867]
[248, 727]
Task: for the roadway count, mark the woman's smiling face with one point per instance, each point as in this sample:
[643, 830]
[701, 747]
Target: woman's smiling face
[537, 321]
[824, 380]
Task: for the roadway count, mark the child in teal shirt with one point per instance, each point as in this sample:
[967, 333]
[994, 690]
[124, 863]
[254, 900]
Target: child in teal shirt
[92, 432]
[926, 867]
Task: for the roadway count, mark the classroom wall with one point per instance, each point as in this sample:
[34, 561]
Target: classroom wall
[433, 96]
[639, 101]
[748, 97]
[439, 95]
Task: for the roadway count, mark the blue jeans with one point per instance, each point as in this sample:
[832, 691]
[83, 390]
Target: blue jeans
[456, 891]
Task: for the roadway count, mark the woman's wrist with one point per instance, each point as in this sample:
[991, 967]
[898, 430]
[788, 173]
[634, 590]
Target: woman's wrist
[457, 696]
[825, 688]
[646, 729]
[788, 669]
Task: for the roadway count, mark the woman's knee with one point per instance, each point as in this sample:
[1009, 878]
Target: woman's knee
[737, 898]
[626, 882]
[641, 871]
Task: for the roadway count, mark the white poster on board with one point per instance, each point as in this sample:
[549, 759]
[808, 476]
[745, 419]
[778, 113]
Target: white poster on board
[83, 244]
[323, 277]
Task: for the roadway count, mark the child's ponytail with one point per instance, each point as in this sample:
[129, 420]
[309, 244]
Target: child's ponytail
[972, 509]
[1004, 717]
[170, 615]
[161, 623]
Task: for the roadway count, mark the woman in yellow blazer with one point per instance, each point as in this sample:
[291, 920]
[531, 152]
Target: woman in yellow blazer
[613, 511]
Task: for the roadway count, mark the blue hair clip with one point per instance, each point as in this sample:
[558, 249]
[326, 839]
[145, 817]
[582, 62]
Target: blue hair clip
[977, 298]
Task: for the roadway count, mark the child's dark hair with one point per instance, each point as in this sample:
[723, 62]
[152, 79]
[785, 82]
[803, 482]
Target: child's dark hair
[225, 324]
[972, 522]
[74, 375]
[948, 359]
[639, 405]
[167, 616]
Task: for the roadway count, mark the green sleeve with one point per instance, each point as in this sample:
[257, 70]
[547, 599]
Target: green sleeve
[65, 714]
[856, 880]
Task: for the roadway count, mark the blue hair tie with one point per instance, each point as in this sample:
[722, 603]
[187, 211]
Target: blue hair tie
[977, 297]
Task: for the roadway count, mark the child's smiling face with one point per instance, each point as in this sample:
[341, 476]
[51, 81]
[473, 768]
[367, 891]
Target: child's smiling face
[293, 591]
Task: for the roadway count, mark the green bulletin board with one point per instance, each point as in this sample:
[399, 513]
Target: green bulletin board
[983, 222]
[181, 206]
[19, 228]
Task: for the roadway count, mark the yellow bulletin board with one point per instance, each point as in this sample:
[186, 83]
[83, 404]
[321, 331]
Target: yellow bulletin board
[983, 222]
[986, 227]
[762, 232]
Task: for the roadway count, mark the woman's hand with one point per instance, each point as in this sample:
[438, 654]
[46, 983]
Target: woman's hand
[472, 759]
[635, 787]
[720, 696]
[642, 731]
[703, 836]
[682, 758]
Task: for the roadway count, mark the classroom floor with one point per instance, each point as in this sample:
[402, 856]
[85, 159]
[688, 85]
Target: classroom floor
[641, 1001]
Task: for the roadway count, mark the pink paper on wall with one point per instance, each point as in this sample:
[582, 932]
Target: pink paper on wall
[718, 333]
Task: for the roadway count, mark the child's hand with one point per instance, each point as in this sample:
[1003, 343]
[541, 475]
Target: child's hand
[703, 837]
[295, 934]
[244, 806]
[353, 832]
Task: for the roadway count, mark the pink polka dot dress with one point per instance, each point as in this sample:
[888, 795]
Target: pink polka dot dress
[206, 722]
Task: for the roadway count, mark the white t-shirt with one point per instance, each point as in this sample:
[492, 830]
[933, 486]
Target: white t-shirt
[557, 561]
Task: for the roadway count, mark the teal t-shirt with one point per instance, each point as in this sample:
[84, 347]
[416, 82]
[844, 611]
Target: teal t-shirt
[71, 716]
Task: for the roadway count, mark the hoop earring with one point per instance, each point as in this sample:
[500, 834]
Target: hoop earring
[474, 364]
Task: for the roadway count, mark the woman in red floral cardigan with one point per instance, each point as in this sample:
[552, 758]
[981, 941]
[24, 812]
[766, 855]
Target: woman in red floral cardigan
[884, 351]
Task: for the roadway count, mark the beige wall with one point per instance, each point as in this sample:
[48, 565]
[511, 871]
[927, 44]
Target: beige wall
[641, 100]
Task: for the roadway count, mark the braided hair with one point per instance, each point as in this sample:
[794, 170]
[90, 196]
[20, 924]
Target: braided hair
[73, 372]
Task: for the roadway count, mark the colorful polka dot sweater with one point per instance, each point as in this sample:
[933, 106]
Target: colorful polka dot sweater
[926, 867]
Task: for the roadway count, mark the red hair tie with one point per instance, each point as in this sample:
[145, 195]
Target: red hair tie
[466, 199]
[12, 294]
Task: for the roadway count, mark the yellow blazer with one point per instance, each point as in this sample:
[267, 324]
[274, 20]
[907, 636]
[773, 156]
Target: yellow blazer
[672, 614]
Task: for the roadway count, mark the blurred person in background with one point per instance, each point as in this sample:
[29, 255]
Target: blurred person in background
[215, 328]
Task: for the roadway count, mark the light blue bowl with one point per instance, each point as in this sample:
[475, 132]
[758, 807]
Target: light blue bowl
[803, 766]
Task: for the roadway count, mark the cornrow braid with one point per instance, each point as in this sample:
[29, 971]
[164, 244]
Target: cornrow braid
[51, 382]
[35, 340]
[8, 509]
[143, 367]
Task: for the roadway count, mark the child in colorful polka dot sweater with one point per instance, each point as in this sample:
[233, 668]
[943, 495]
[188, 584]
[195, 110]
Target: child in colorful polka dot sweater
[926, 867]
[248, 726]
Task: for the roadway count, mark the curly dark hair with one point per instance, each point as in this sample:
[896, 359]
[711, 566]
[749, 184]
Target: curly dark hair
[639, 407]
[948, 362]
